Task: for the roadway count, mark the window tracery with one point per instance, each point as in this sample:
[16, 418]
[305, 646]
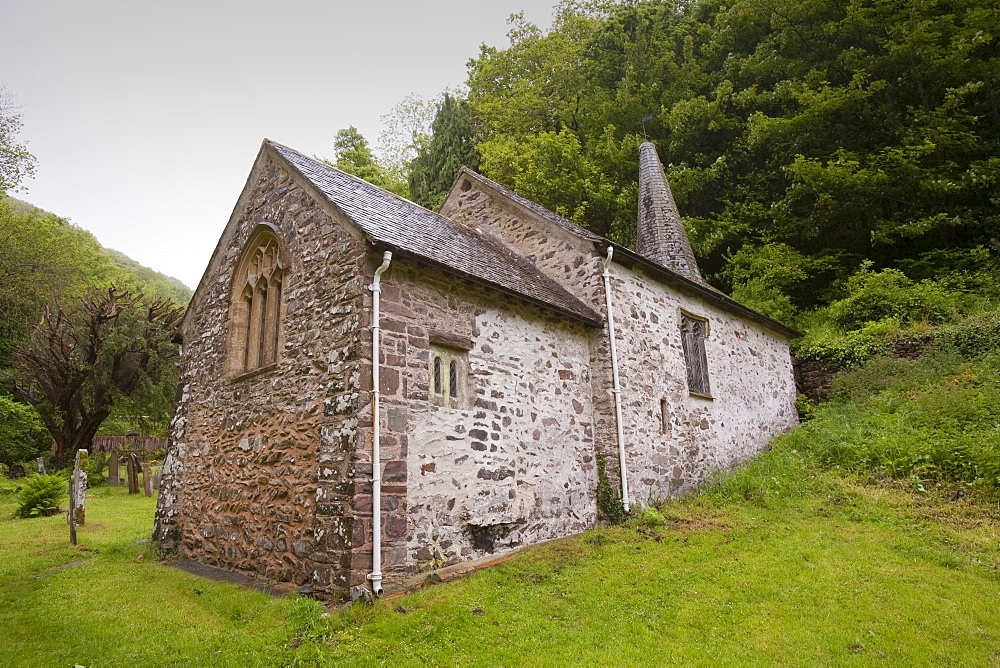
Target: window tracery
[255, 324]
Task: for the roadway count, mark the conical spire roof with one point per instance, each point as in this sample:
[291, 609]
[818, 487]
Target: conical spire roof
[661, 235]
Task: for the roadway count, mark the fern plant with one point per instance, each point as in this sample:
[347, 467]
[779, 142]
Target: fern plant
[40, 495]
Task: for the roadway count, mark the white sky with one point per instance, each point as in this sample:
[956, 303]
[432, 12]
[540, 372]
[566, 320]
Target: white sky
[146, 117]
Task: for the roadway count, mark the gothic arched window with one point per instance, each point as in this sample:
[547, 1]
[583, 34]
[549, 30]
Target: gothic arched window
[255, 320]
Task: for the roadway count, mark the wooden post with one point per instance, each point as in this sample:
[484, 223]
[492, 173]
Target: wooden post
[147, 479]
[132, 464]
[114, 477]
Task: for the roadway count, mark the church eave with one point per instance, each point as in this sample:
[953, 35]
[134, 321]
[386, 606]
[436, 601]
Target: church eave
[633, 260]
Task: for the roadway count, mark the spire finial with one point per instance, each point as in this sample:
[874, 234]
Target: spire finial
[643, 121]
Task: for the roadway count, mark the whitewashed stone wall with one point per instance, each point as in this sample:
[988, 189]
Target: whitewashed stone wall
[750, 375]
[750, 367]
[513, 463]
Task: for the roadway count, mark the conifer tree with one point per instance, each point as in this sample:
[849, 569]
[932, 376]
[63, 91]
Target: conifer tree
[452, 146]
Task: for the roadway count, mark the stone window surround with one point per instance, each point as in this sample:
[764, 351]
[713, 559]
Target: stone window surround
[448, 370]
[266, 288]
[697, 373]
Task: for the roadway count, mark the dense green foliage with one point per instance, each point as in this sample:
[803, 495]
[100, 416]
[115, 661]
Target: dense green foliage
[22, 435]
[49, 263]
[40, 494]
[354, 156]
[807, 141]
[932, 419]
[45, 257]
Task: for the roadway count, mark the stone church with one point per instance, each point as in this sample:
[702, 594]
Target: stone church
[372, 390]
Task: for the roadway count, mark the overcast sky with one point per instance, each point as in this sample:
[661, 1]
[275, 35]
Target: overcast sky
[146, 117]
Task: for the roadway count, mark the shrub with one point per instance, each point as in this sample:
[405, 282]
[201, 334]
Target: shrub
[40, 495]
[22, 436]
[838, 350]
[973, 336]
[936, 418]
[876, 296]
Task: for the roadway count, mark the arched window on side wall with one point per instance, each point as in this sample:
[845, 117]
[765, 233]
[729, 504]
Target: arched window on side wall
[256, 312]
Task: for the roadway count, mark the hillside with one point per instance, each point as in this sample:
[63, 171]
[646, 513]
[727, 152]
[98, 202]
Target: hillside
[151, 281]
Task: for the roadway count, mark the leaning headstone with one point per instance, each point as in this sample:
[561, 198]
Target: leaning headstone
[147, 479]
[114, 477]
[131, 470]
[40, 463]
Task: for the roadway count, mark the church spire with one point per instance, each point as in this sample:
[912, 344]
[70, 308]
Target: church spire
[661, 234]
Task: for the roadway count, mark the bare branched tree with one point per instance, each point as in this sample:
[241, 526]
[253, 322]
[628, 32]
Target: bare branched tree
[79, 363]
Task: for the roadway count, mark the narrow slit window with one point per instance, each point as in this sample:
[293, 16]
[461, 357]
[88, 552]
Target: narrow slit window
[448, 376]
[276, 320]
[437, 377]
[248, 309]
[262, 339]
[664, 417]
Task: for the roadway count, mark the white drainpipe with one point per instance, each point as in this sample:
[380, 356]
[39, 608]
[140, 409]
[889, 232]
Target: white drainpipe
[376, 575]
[616, 389]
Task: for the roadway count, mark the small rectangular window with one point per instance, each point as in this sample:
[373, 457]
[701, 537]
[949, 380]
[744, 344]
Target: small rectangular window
[664, 417]
[448, 376]
[694, 330]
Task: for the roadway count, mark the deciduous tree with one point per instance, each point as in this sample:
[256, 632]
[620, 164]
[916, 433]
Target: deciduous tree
[16, 163]
[80, 362]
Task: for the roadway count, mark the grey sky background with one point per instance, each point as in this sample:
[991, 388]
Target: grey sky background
[146, 117]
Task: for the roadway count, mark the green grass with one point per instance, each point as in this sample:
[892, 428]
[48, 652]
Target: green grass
[822, 569]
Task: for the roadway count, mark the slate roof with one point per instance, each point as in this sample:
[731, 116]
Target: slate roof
[396, 223]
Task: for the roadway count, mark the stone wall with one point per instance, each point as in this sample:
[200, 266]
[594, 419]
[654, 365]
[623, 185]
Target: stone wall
[750, 367]
[511, 461]
[565, 257]
[258, 478]
[750, 375]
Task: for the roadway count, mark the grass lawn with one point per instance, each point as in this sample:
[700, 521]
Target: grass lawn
[848, 573]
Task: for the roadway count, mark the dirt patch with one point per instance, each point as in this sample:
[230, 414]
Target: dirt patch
[222, 575]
